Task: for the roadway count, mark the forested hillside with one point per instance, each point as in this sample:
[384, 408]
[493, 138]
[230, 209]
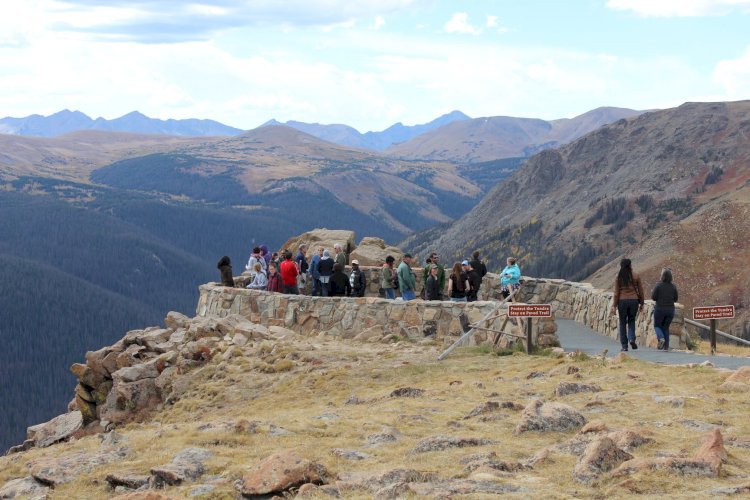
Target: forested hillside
[73, 279]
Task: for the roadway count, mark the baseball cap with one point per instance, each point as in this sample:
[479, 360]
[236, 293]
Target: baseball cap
[465, 263]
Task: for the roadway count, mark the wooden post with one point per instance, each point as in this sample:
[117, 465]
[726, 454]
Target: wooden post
[528, 335]
[712, 337]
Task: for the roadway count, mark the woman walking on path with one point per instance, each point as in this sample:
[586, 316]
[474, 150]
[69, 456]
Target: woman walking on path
[664, 295]
[458, 284]
[628, 298]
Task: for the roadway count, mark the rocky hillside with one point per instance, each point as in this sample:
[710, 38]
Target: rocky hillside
[229, 409]
[490, 138]
[666, 188]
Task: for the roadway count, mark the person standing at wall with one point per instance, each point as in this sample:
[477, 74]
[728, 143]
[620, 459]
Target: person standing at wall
[340, 257]
[458, 284]
[357, 280]
[477, 264]
[340, 286]
[510, 277]
[475, 281]
[315, 272]
[628, 299]
[275, 283]
[388, 278]
[407, 281]
[325, 270]
[664, 295]
[289, 274]
[302, 266]
[432, 289]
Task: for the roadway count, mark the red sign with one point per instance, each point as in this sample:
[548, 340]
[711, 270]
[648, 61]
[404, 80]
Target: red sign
[713, 312]
[529, 310]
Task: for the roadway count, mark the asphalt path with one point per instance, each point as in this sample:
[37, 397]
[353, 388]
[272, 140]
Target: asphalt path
[577, 337]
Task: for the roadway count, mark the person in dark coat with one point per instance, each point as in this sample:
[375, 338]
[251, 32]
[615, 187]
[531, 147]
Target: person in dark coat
[325, 270]
[664, 295]
[432, 290]
[477, 264]
[357, 280]
[475, 281]
[340, 286]
[225, 267]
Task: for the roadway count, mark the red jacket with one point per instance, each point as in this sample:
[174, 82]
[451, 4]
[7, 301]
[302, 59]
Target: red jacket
[289, 273]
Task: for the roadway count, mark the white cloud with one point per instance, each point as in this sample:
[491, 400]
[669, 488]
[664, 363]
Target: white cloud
[734, 77]
[491, 21]
[680, 8]
[459, 23]
[378, 23]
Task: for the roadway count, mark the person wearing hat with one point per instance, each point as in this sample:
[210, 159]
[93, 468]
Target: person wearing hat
[407, 280]
[357, 280]
[475, 281]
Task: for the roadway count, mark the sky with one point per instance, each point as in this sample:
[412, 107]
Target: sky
[368, 63]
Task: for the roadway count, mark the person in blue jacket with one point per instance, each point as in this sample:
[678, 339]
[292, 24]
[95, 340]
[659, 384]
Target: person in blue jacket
[317, 288]
[510, 277]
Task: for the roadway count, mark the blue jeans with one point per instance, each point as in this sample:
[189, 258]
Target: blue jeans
[627, 310]
[317, 289]
[390, 293]
[408, 295]
[662, 319]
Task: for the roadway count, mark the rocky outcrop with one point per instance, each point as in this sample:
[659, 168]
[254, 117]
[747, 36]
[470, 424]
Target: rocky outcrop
[57, 429]
[566, 388]
[373, 251]
[544, 416]
[279, 472]
[322, 237]
[601, 455]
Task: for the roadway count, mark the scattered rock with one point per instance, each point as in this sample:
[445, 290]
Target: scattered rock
[537, 458]
[673, 401]
[731, 490]
[383, 479]
[25, 487]
[350, 454]
[698, 425]
[390, 435]
[535, 374]
[712, 450]
[144, 495]
[601, 455]
[511, 405]
[57, 429]
[635, 375]
[673, 465]
[406, 392]
[439, 443]
[566, 388]
[549, 417]
[55, 471]
[128, 480]
[453, 487]
[244, 426]
[187, 465]
[201, 489]
[279, 472]
[276, 431]
[593, 426]
[477, 457]
[484, 408]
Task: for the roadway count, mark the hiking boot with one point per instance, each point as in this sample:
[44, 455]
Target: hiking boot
[661, 344]
[624, 349]
[634, 345]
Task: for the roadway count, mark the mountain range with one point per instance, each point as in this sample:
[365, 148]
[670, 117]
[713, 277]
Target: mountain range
[665, 188]
[66, 121]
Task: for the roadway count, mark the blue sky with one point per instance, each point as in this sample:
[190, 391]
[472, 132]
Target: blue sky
[368, 63]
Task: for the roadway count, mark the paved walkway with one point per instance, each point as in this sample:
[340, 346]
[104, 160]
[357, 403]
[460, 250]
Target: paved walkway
[577, 337]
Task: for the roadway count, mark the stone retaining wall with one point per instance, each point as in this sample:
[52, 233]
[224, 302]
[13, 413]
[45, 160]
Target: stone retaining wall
[359, 318]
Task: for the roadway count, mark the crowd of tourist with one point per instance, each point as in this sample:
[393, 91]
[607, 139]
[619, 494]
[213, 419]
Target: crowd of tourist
[325, 271]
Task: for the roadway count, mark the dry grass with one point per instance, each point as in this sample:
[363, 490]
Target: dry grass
[310, 402]
[704, 347]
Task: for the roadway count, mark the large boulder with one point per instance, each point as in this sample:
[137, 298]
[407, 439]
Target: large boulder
[322, 237]
[373, 251]
[57, 429]
[279, 472]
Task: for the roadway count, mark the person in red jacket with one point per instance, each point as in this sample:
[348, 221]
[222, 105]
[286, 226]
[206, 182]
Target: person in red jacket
[289, 274]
